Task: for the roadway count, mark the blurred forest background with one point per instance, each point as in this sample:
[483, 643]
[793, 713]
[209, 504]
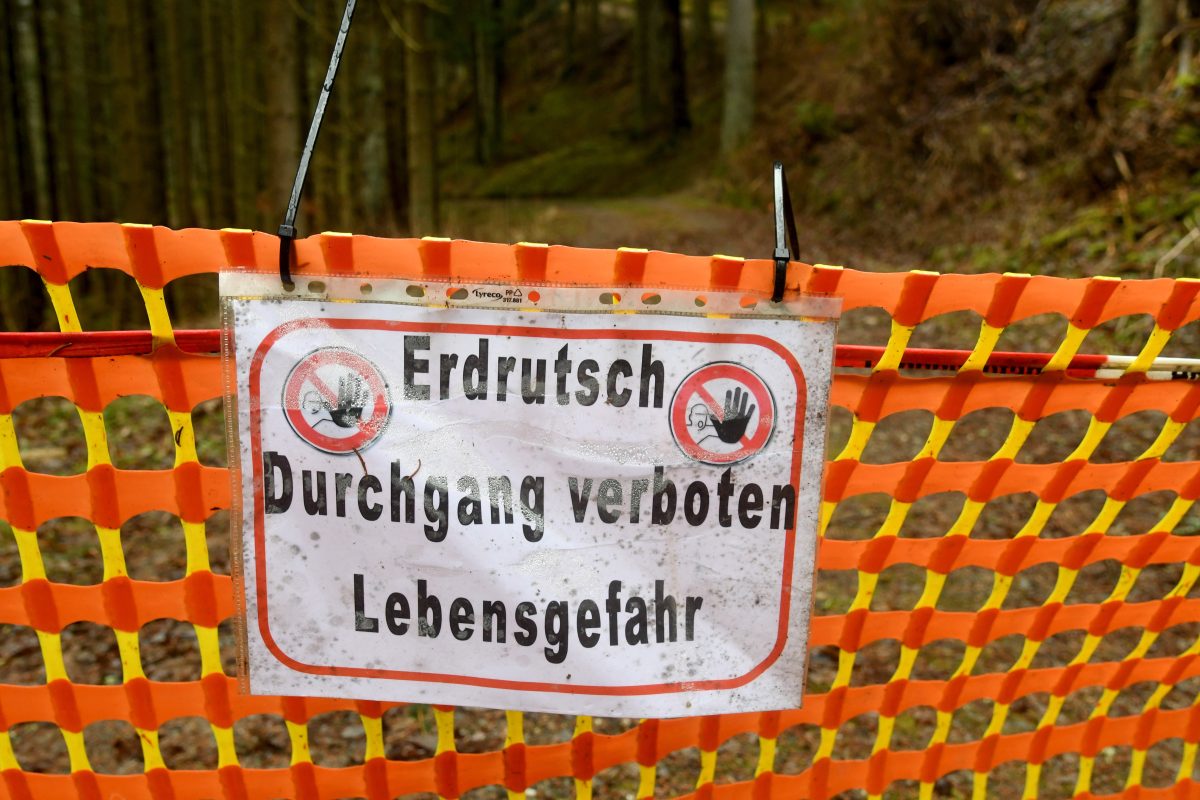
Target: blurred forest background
[1031, 135]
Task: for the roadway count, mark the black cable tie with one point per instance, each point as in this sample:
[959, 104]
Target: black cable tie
[785, 223]
[287, 230]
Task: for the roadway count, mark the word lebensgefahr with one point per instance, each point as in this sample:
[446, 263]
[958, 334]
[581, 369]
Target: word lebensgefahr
[496, 500]
[615, 620]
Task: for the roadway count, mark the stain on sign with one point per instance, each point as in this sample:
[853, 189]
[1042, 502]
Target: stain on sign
[526, 507]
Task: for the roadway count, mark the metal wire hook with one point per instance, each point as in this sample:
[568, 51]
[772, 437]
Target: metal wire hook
[287, 230]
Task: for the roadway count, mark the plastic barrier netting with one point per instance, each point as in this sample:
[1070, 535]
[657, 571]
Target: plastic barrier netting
[1007, 601]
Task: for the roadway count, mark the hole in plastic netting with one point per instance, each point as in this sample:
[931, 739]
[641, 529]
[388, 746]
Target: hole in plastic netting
[1111, 768]
[50, 436]
[954, 784]
[188, 743]
[10, 557]
[1004, 516]
[193, 301]
[1058, 650]
[1141, 514]
[610, 298]
[24, 303]
[999, 655]
[677, 772]
[415, 291]
[1074, 515]
[40, 747]
[794, 749]
[548, 728]
[1182, 695]
[208, 422]
[1125, 335]
[409, 733]
[899, 588]
[113, 747]
[337, 739]
[1129, 437]
[479, 730]
[456, 293]
[898, 437]
[968, 723]
[316, 287]
[737, 758]
[109, 300]
[858, 517]
[366, 288]
[1024, 713]
[139, 433]
[901, 790]
[169, 650]
[864, 326]
[1007, 779]
[216, 533]
[855, 737]
[90, 653]
[913, 728]
[955, 330]
[71, 551]
[822, 668]
[834, 591]
[1184, 342]
[552, 789]
[261, 742]
[937, 661]
[1173, 641]
[1053, 438]
[966, 589]
[618, 781]
[978, 435]
[1117, 645]
[493, 792]
[227, 642]
[838, 432]
[154, 547]
[1058, 776]
[1131, 700]
[613, 726]
[20, 656]
[1162, 763]
[1095, 582]
[876, 663]
[1079, 705]
[931, 516]
[1186, 446]
[651, 298]
[1040, 333]
[1030, 587]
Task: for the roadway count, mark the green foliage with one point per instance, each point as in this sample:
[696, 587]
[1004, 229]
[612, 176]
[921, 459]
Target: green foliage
[816, 119]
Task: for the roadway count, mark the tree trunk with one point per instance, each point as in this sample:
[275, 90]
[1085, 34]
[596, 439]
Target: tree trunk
[702, 34]
[570, 53]
[592, 30]
[675, 72]
[643, 70]
[10, 162]
[176, 124]
[283, 101]
[396, 128]
[79, 119]
[422, 139]
[1151, 26]
[489, 68]
[1187, 44]
[35, 178]
[738, 112]
[372, 146]
[217, 175]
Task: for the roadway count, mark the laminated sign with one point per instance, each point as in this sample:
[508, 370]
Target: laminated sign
[514, 497]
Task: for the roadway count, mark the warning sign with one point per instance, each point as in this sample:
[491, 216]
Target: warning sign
[548, 510]
[337, 386]
[725, 431]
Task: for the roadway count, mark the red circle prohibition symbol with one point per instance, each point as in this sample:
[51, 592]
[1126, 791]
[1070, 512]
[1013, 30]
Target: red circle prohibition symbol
[342, 394]
[722, 413]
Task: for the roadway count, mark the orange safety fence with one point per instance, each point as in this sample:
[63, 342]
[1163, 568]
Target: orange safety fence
[1006, 606]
